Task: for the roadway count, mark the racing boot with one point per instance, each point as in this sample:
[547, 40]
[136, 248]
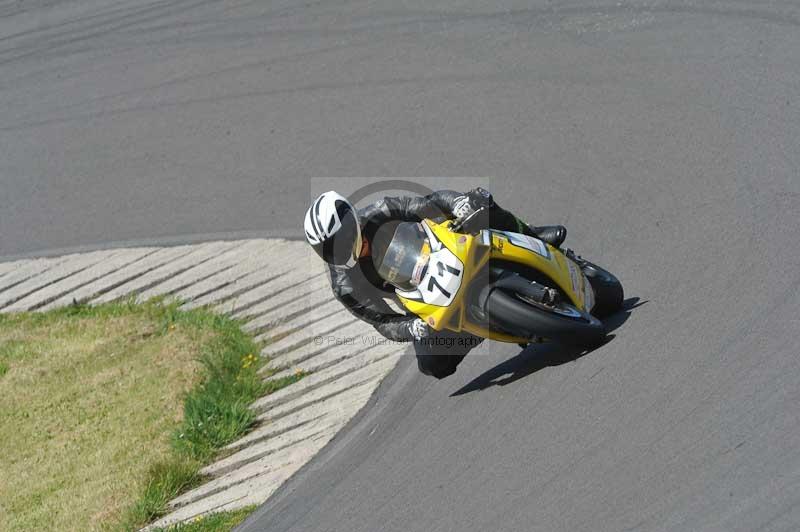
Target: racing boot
[501, 218]
[552, 234]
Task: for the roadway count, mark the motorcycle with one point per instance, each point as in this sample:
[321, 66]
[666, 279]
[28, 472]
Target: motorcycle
[491, 283]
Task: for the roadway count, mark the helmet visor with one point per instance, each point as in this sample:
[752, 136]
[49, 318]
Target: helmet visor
[406, 259]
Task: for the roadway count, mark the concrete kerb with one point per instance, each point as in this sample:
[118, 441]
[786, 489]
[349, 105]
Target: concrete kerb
[279, 302]
[223, 298]
[263, 448]
[266, 464]
[256, 298]
[305, 335]
[338, 405]
[159, 274]
[347, 341]
[252, 490]
[331, 357]
[22, 272]
[46, 278]
[344, 383]
[117, 278]
[304, 317]
[318, 380]
[247, 274]
[221, 263]
[60, 293]
[7, 267]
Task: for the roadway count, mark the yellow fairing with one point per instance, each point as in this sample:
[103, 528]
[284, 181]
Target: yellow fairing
[474, 253]
[555, 265]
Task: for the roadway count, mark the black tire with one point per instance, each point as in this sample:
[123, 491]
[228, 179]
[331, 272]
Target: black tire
[512, 314]
[608, 292]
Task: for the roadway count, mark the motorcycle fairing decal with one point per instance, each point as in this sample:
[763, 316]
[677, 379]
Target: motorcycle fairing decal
[422, 263]
[415, 295]
[573, 275]
[436, 244]
[527, 242]
[588, 296]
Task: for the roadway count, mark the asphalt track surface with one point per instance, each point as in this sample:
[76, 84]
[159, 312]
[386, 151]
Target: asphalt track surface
[664, 134]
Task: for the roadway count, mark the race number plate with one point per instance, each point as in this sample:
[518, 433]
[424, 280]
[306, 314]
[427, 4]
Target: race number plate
[443, 278]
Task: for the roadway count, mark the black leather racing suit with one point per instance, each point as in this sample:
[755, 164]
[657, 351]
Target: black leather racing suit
[361, 290]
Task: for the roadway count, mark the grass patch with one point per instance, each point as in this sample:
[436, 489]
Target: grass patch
[165, 480]
[101, 406]
[273, 385]
[219, 522]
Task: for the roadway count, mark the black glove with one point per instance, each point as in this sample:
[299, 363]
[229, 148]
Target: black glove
[471, 202]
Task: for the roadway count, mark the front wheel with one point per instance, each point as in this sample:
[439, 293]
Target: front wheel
[608, 293]
[516, 314]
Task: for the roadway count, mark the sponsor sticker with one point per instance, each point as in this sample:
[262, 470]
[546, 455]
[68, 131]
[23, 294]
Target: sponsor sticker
[527, 242]
[573, 274]
[422, 262]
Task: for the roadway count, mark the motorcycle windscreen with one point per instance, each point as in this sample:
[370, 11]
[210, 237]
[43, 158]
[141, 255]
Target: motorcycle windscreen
[405, 260]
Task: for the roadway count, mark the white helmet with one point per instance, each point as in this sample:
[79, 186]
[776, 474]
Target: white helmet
[333, 230]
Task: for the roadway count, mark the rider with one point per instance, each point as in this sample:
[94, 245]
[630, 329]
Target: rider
[347, 239]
